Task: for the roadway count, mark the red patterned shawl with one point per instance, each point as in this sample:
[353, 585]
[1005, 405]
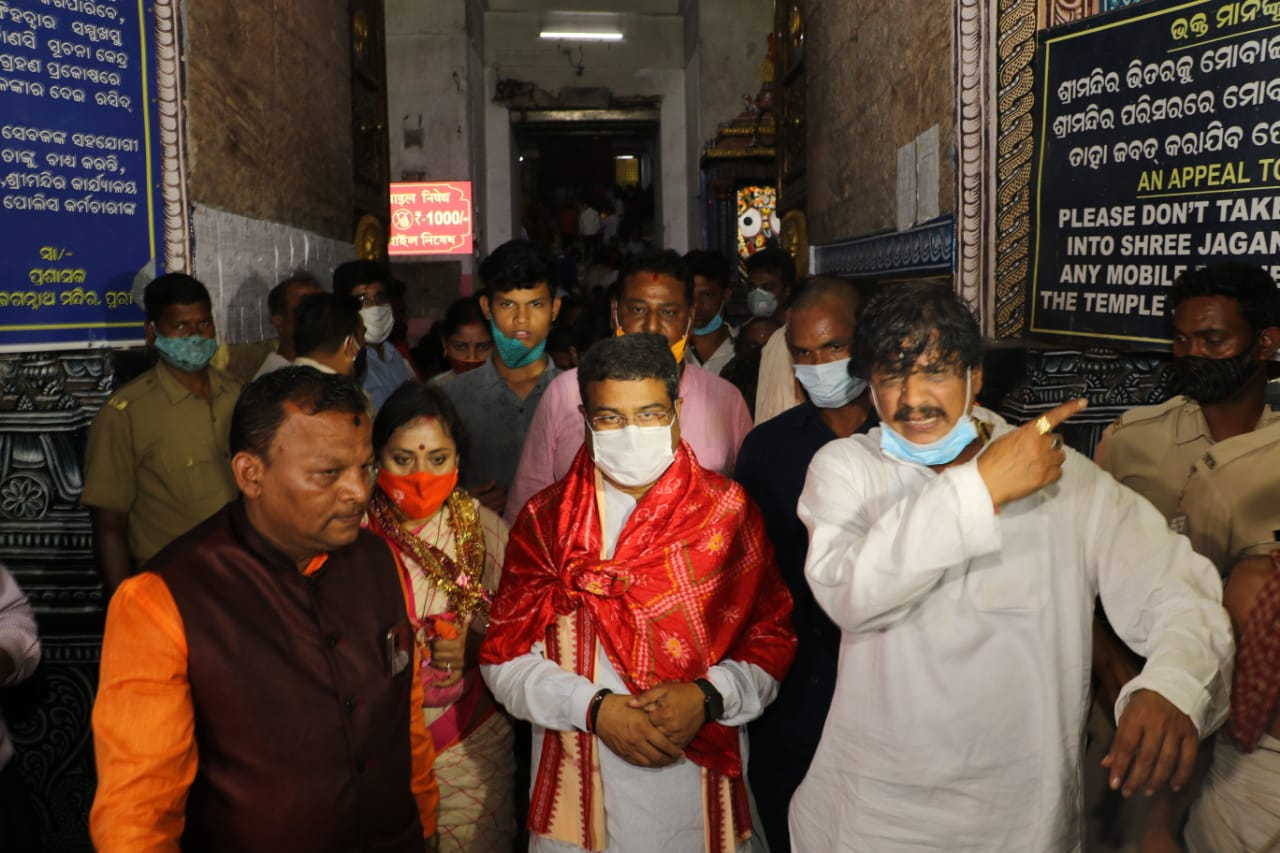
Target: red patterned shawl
[692, 582]
[1256, 684]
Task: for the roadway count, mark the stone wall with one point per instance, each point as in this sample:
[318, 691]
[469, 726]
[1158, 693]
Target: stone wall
[269, 111]
[877, 78]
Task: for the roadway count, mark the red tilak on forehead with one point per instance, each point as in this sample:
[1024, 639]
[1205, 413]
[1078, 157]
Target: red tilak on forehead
[653, 276]
[422, 447]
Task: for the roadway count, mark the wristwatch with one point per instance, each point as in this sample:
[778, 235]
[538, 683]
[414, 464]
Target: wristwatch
[712, 701]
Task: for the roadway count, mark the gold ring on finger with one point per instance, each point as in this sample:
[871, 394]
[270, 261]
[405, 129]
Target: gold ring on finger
[1043, 426]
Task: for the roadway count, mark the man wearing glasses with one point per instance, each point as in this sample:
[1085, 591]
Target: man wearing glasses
[640, 624]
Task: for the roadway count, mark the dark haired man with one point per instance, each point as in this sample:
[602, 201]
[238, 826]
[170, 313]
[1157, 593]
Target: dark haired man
[258, 688]
[961, 557]
[639, 625]
[368, 282]
[655, 296]
[498, 399]
[712, 342]
[157, 462]
[329, 334]
[770, 273]
[1226, 326]
[771, 466]
[282, 301]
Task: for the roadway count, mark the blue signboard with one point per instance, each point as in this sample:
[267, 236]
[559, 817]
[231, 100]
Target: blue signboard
[80, 208]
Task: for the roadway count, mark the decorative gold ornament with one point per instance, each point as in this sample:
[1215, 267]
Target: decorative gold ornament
[370, 238]
[795, 239]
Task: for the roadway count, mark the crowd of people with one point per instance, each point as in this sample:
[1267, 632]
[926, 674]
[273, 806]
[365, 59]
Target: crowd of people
[626, 571]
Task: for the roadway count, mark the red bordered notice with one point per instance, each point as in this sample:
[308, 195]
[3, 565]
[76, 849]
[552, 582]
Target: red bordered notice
[430, 219]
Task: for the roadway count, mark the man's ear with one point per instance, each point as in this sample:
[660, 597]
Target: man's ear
[555, 308]
[1269, 342]
[149, 328]
[484, 306]
[613, 314]
[277, 323]
[248, 469]
[976, 378]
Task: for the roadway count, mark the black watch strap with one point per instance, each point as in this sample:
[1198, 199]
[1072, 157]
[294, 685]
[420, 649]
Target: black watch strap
[712, 701]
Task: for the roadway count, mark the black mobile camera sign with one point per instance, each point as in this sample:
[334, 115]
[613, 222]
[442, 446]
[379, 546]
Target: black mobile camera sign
[1158, 149]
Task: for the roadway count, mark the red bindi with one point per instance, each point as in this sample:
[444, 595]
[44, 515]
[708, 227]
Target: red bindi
[422, 447]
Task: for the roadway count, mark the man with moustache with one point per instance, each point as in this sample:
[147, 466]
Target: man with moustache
[655, 297]
[960, 557]
[258, 686]
[497, 400]
[771, 466]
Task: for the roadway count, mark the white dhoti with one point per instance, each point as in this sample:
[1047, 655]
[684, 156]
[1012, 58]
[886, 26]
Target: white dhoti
[1238, 810]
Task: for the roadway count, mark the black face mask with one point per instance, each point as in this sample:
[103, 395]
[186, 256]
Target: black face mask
[362, 365]
[1212, 380]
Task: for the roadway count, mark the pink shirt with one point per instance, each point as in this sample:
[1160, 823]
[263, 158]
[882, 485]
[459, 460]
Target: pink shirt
[713, 419]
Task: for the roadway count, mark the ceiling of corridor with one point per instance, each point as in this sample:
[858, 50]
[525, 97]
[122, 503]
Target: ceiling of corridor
[633, 7]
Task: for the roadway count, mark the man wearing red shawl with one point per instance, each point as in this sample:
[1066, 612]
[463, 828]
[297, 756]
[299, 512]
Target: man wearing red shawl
[640, 624]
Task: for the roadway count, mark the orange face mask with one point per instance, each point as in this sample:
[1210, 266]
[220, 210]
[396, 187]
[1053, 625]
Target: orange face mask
[677, 349]
[418, 495]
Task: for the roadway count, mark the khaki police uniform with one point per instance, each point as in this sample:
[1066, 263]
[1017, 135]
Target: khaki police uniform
[1152, 449]
[160, 454]
[1232, 502]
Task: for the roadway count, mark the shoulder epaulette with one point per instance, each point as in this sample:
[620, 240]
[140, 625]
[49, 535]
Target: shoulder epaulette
[1232, 449]
[1142, 414]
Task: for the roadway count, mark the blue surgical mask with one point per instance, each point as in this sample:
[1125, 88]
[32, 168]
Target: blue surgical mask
[938, 452]
[830, 385]
[513, 353]
[715, 324]
[190, 354]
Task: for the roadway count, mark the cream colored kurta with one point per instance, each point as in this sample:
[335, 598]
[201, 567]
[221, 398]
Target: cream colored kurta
[957, 722]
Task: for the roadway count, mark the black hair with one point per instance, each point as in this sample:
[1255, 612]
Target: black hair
[775, 261]
[278, 298]
[414, 400]
[666, 262]
[174, 288]
[462, 312]
[261, 407]
[347, 277]
[1247, 284]
[322, 321]
[906, 321]
[711, 265]
[629, 357]
[517, 265]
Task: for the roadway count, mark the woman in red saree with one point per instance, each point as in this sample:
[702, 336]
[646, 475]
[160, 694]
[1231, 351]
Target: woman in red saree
[449, 549]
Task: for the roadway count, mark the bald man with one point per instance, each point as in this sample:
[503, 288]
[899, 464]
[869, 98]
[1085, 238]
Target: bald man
[771, 467]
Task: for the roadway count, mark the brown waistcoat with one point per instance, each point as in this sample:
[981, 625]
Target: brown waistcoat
[303, 738]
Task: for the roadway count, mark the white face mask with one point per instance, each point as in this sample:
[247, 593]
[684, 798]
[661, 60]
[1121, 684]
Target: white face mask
[378, 321]
[829, 385]
[761, 303]
[633, 456]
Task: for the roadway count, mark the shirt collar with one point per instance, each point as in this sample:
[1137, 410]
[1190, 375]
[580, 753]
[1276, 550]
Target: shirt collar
[176, 392]
[258, 545]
